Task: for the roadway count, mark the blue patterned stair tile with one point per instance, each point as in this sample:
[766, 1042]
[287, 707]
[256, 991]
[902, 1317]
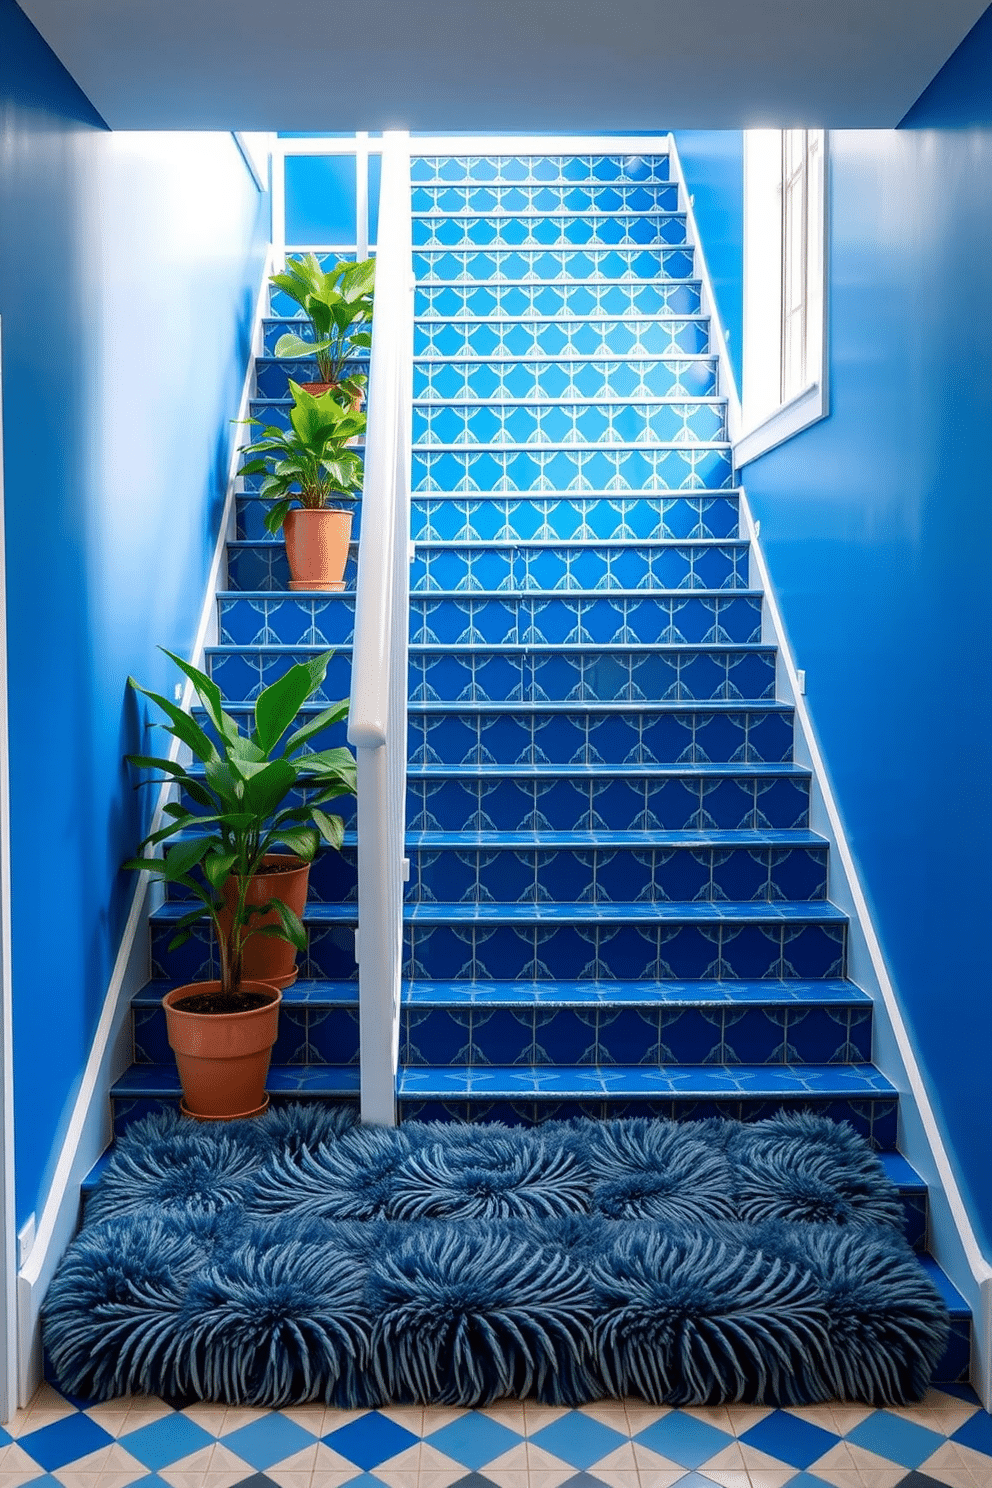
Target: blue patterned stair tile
[602, 867]
[538, 469]
[563, 267]
[263, 565]
[499, 300]
[538, 674]
[562, 339]
[272, 373]
[242, 672]
[603, 734]
[668, 941]
[524, 170]
[251, 510]
[569, 199]
[690, 563]
[318, 1024]
[662, 421]
[586, 798]
[330, 950]
[520, 381]
[858, 1094]
[264, 619]
[552, 230]
[648, 617]
[437, 516]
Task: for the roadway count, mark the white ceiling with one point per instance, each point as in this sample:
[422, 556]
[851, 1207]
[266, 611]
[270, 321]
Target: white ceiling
[502, 65]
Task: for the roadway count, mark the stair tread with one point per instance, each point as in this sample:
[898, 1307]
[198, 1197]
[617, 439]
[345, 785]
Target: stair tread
[302, 993]
[827, 993]
[503, 595]
[283, 1079]
[468, 648]
[322, 914]
[625, 706]
[818, 911]
[705, 1082]
[591, 772]
[620, 837]
[572, 446]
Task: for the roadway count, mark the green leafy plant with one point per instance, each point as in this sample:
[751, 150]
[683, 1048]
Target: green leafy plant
[338, 304]
[309, 462]
[235, 811]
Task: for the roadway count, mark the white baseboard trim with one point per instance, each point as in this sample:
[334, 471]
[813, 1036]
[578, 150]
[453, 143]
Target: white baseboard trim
[89, 1132]
[951, 1240]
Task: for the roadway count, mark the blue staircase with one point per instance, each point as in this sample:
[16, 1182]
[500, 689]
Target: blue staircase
[616, 903]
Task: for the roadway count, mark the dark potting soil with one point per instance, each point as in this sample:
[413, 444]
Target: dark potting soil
[221, 1002]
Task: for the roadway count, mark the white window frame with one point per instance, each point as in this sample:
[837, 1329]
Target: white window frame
[779, 399]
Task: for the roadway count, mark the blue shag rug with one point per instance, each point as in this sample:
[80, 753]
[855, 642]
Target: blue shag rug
[301, 1257]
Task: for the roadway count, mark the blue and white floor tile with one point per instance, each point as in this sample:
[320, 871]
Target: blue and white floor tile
[139, 1442]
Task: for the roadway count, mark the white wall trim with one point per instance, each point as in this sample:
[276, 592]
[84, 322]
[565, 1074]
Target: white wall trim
[951, 1240]
[806, 408]
[8, 1211]
[727, 381]
[89, 1132]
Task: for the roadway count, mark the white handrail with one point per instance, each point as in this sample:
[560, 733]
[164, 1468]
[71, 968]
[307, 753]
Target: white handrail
[377, 724]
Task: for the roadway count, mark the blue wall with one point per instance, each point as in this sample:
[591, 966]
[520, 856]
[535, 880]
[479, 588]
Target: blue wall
[877, 524]
[129, 264]
[713, 165]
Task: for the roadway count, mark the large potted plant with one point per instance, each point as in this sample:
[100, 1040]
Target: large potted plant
[309, 463]
[234, 810]
[338, 305]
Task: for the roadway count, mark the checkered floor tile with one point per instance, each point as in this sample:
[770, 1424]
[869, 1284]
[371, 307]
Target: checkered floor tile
[946, 1442]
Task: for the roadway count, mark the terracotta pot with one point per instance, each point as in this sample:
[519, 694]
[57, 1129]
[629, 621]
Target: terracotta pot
[223, 1058]
[266, 959]
[317, 547]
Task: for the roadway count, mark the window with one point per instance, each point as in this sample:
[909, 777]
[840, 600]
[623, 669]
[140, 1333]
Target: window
[785, 374]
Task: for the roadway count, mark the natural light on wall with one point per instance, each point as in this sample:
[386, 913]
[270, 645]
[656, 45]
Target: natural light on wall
[785, 370]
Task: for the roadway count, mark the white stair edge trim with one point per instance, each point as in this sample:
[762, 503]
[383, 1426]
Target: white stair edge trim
[709, 306]
[90, 1131]
[951, 1237]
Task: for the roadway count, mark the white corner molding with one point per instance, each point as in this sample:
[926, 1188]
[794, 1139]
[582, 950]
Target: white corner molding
[90, 1132]
[951, 1238]
[709, 306]
[8, 1239]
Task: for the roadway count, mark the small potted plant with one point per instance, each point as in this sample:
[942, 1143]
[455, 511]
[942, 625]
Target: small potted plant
[308, 463]
[338, 305]
[231, 816]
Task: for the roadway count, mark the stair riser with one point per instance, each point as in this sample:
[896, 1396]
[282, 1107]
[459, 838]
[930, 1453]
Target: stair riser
[476, 381]
[702, 620]
[586, 677]
[285, 317]
[306, 1036]
[500, 1037]
[601, 424]
[447, 199]
[440, 517]
[333, 875]
[874, 1118]
[552, 339]
[607, 875]
[751, 736]
[540, 170]
[571, 517]
[558, 266]
[624, 952]
[242, 675]
[624, 230]
[670, 295]
[527, 677]
[674, 566]
[619, 803]
[264, 565]
[330, 955]
[685, 467]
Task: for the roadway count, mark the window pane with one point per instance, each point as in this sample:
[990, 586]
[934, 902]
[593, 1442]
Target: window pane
[320, 200]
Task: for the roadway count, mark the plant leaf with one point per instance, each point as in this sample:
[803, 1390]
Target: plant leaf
[331, 828]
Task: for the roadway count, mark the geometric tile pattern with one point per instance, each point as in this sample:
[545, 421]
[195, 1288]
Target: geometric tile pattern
[150, 1443]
